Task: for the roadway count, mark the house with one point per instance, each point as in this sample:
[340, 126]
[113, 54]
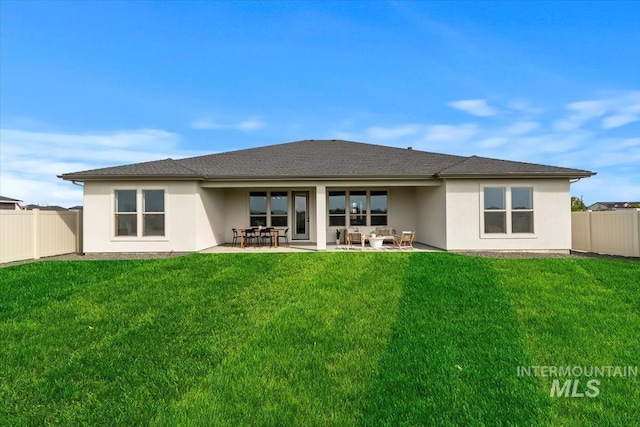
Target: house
[45, 208]
[612, 206]
[7, 203]
[316, 187]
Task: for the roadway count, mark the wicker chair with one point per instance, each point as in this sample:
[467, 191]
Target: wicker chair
[404, 240]
[352, 236]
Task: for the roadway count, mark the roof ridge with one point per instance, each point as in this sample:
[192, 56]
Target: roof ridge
[177, 162]
[464, 159]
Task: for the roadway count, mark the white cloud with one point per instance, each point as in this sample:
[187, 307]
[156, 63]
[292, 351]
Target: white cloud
[31, 160]
[449, 133]
[520, 128]
[618, 120]
[206, 123]
[378, 132]
[476, 107]
[614, 110]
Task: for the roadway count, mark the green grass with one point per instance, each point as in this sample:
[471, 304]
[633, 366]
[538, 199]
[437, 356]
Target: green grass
[315, 339]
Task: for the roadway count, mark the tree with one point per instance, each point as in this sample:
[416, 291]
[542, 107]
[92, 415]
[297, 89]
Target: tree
[577, 205]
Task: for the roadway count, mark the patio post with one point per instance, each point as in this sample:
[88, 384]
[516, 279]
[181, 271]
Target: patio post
[321, 217]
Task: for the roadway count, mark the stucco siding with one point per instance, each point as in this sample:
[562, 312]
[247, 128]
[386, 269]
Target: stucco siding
[181, 208]
[552, 216]
[431, 216]
[211, 221]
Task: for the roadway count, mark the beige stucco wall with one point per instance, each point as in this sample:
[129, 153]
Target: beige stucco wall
[431, 223]
[552, 216]
[186, 224]
[448, 216]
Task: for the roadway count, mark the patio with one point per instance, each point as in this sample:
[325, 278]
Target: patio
[311, 247]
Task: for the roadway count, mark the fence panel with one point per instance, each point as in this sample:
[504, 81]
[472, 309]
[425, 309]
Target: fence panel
[609, 232]
[35, 234]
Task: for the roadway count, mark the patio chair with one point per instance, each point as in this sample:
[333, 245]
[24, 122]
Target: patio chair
[405, 240]
[354, 236]
[266, 234]
[234, 242]
[250, 234]
[284, 235]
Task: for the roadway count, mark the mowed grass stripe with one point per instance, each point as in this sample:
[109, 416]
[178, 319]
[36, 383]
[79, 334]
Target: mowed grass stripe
[118, 349]
[313, 352]
[581, 312]
[454, 351]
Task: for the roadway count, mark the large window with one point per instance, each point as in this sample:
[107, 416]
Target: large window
[358, 208]
[495, 212]
[153, 212]
[279, 208]
[258, 208]
[129, 219]
[126, 213]
[378, 208]
[361, 207]
[268, 208]
[522, 210]
[337, 208]
[501, 203]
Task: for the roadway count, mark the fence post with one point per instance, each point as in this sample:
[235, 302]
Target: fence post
[36, 233]
[636, 234]
[78, 231]
[590, 230]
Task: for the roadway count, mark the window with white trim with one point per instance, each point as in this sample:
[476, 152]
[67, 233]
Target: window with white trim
[337, 208]
[153, 212]
[495, 210]
[132, 221]
[268, 208]
[521, 209]
[126, 213]
[361, 207]
[508, 210]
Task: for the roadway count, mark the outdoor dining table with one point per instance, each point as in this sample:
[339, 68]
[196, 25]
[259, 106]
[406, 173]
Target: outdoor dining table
[244, 231]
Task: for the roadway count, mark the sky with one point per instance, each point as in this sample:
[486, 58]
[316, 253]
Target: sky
[87, 84]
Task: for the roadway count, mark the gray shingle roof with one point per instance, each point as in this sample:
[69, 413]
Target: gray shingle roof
[323, 159]
[8, 200]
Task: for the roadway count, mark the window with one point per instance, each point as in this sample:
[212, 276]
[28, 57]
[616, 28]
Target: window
[358, 208]
[378, 207]
[522, 210]
[268, 208]
[337, 208]
[153, 212]
[495, 210]
[129, 219]
[361, 207]
[126, 213]
[508, 210]
[279, 208]
[258, 208]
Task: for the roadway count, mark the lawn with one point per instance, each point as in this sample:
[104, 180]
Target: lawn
[316, 339]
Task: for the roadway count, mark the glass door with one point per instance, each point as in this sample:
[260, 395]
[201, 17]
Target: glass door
[300, 215]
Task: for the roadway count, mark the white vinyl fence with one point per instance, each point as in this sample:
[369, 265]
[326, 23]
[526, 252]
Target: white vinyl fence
[609, 232]
[35, 234]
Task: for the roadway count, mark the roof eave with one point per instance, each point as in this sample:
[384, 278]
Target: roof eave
[82, 178]
[584, 174]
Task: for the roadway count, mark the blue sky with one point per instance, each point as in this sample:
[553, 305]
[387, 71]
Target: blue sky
[92, 84]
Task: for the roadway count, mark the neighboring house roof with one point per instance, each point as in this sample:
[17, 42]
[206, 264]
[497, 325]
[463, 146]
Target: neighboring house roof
[8, 200]
[45, 208]
[612, 205]
[325, 159]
